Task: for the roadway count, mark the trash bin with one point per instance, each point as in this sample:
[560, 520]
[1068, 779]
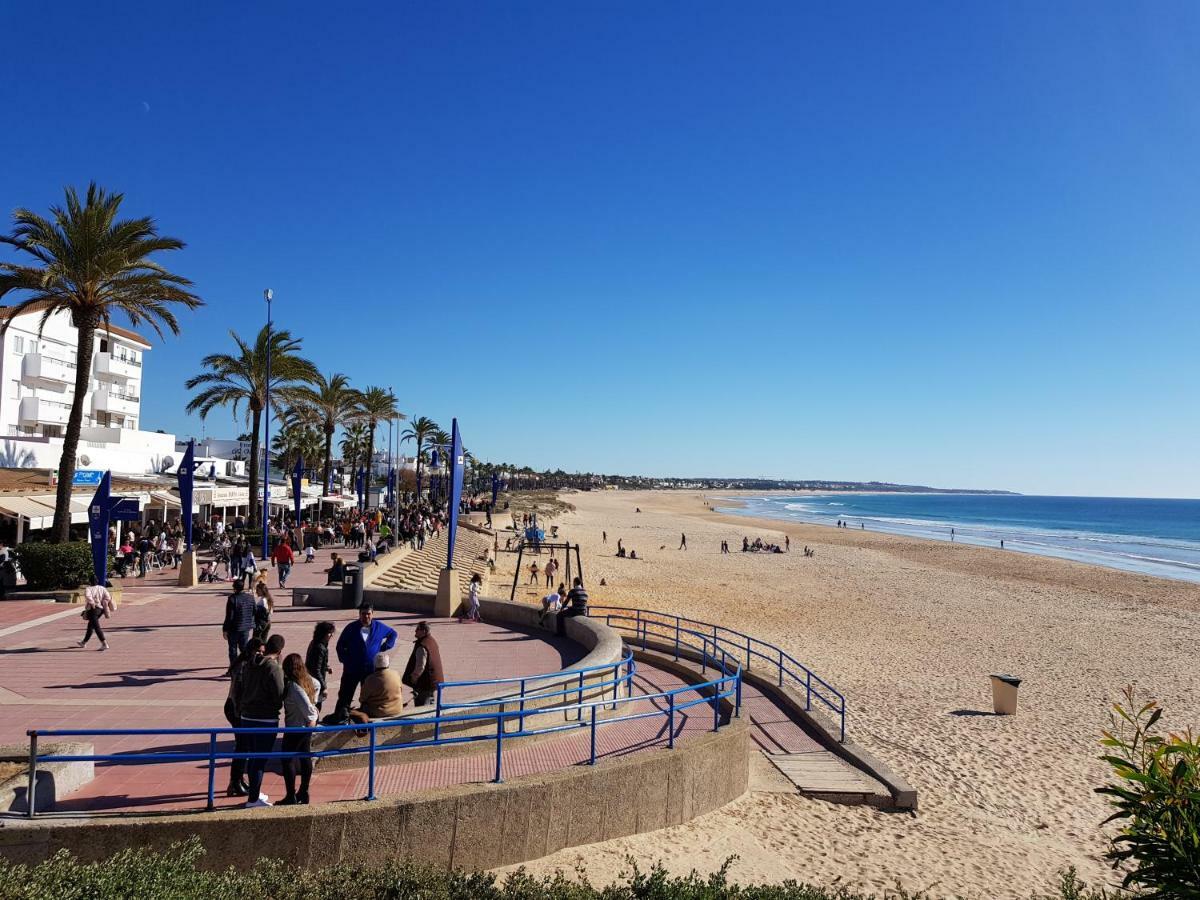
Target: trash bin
[352, 586]
[1004, 694]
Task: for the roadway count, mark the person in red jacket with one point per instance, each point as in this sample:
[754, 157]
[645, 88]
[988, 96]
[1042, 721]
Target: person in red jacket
[283, 558]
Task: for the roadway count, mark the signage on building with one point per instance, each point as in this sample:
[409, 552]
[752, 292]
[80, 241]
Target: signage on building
[87, 478]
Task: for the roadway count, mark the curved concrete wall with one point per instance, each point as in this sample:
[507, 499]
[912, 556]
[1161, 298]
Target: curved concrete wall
[476, 826]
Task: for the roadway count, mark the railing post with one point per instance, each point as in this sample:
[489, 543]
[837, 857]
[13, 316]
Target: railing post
[371, 768]
[645, 626]
[737, 709]
[781, 668]
[499, 747]
[717, 704]
[521, 714]
[808, 689]
[747, 651]
[212, 770]
[437, 715]
[677, 639]
[31, 791]
[579, 700]
[592, 761]
[671, 722]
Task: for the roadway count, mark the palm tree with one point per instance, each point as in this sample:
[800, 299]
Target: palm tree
[89, 265]
[233, 379]
[296, 440]
[375, 405]
[419, 430]
[354, 446]
[328, 404]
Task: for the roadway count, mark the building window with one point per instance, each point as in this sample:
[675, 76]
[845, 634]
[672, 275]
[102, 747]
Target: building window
[33, 346]
[18, 344]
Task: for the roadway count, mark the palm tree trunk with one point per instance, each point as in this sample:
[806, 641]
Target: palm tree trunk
[328, 462]
[370, 462]
[61, 531]
[255, 437]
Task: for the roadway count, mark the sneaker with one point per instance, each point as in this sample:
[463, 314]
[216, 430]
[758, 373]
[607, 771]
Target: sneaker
[104, 646]
[259, 803]
[80, 644]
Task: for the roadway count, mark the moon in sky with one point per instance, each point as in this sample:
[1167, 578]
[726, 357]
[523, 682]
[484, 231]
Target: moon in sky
[145, 106]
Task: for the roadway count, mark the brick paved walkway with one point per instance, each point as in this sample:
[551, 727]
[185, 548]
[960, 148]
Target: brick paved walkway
[164, 671]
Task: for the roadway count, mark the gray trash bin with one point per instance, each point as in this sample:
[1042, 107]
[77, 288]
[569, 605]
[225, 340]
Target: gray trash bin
[1004, 694]
[352, 586]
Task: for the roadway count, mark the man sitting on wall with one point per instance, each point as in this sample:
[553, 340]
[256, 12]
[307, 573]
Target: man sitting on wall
[382, 694]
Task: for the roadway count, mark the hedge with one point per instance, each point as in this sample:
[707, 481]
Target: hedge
[175, 874]
[53, 567]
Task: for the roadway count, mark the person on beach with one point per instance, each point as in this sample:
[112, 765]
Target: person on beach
[262, 701]
[97, 605]
[551, 571]
[576, 601]
[316, 658]
[604, 537]
[299, 711]
[787, 543]
[683, 542]
[533, 572]
[423, 673]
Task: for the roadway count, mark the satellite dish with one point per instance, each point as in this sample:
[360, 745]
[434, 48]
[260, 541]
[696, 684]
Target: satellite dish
[168, 463]
[85, 460]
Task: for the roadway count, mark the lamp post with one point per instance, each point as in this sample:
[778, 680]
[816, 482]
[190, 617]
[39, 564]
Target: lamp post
[266, 544]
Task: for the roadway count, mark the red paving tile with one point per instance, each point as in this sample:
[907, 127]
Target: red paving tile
[164, 671]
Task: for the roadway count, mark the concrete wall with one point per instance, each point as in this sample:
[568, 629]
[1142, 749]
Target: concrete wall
[476, 826]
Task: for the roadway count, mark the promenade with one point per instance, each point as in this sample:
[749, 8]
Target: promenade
[165, 670]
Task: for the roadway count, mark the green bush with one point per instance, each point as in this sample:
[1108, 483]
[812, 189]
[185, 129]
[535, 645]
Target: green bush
[175, 874]
[1156, 796]
[53, 567]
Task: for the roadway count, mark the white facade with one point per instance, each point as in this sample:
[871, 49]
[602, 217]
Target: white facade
[37, 386]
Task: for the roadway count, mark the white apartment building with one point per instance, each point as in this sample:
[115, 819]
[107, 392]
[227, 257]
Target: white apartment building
[37, 386]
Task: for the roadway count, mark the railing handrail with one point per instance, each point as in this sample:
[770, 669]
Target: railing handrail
[726, 686]
[744, 643]
[626, 656]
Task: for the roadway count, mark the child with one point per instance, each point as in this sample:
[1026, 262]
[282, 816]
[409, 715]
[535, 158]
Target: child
[473, 597]
[552, 602]
[309, 553]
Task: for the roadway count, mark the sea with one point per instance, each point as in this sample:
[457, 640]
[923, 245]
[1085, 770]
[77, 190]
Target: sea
[1151, 537]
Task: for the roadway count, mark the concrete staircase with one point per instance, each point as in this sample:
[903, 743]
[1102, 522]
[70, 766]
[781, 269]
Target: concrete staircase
[417, 570]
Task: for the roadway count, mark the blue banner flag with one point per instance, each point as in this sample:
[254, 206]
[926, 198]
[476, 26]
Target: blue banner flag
[297, 475]
[186, 474]
[456, 483]
[495, 487]
[358, 486]
[98, 512]
[391, 486]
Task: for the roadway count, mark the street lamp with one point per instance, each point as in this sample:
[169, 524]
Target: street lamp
[266, 516]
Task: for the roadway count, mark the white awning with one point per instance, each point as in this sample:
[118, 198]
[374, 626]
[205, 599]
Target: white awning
[39, 510]
[169, 500]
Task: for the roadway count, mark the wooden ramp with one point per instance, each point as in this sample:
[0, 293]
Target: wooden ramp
[819, 773]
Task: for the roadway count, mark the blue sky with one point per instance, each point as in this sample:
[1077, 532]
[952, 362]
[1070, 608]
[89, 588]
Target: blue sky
[948, 243]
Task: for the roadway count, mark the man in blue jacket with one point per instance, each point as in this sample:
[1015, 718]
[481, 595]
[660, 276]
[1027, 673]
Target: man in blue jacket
[356, 649]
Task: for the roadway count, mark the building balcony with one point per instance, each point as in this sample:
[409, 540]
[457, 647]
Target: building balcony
[39, 370]
[115, 367]
[109, 401]
[37, 411]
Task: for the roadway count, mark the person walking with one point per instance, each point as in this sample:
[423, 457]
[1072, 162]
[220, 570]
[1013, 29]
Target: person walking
[357, 646]
[299, 711]
[283, 557]
[97, 605]
[682, 541]
[424, 670]
[262, 701]
[264, 606]
[239, 621]
[533, 572]
[473, 597]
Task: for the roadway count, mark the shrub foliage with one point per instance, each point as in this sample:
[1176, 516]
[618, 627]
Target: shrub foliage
[53, 567]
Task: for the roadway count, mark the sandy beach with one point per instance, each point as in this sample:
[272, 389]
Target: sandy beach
[908, 630]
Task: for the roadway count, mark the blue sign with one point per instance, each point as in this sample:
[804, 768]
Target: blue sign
[297, 477]
[98, 517]
[87, 478]
[186, 474]
[125, 509]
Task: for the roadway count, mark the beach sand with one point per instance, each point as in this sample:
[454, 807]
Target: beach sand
[908, 630]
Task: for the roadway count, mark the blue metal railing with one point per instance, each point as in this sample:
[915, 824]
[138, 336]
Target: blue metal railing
[740, 646]
[528, 690]
[725, 686]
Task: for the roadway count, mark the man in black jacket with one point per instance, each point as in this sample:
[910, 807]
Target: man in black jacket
[239, 621]
[261, 703]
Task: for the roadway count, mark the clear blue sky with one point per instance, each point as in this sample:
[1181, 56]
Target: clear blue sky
[949, 243]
